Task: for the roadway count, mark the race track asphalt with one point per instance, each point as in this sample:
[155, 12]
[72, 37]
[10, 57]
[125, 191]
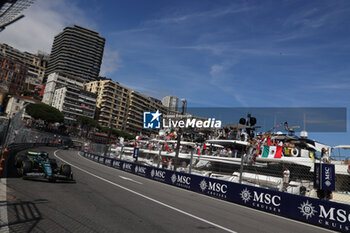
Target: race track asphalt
[105, 199]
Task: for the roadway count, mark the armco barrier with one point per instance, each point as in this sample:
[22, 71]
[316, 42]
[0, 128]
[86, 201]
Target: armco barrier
[331, 215]
[14, 148]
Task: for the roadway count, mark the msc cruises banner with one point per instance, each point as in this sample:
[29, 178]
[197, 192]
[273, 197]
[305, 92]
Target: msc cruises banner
[324, 176]
[331, 215]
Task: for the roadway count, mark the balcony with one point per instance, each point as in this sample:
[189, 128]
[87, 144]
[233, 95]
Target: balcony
[108, 90]
[110, 85]
[104, 104]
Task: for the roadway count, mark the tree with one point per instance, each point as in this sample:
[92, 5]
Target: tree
[44, 112]
[87, 123]
[33, 94]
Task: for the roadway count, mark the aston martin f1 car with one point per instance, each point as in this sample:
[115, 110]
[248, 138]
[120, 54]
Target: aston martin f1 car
[39, 165]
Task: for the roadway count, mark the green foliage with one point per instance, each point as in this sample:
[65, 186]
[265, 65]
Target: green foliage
[38, 98]
[74, 130]
[87, 121]
[32, 94]
[128, 135]
[44, 112]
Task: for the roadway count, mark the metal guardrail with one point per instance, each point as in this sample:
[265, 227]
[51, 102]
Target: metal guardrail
[15, 136]
[12, 150]
[327, 214]
[269, 175]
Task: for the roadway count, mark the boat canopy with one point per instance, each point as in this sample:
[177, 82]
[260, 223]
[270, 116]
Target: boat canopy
[174, 141]
[346, 147]
[227, 142]
[284, 137]
[214, 145]
[182, 143]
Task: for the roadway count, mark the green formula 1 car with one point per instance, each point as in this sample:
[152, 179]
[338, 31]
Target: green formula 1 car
[39, 165]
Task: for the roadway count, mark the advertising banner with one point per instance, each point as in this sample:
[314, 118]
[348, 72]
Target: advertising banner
[331, 215]
[328, 177]
[324, 176]
[135, 155]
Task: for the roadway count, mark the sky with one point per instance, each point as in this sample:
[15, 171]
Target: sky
[212, 53]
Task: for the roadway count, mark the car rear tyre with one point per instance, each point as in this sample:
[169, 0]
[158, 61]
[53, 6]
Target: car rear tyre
[26, 167]
[19, 160]
[66, 170]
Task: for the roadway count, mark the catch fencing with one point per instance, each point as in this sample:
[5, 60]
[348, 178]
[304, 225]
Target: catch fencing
[291, 174]
[15, 136]
[243, 170]
[331, 215]
[14, 131]
[99, 149]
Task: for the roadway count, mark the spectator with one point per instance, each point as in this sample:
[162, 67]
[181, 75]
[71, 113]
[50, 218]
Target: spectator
[229, 152]
[286, 175]
[235, 153]
[268, 140]
[170, 164]
[325, 156]
[164, 163]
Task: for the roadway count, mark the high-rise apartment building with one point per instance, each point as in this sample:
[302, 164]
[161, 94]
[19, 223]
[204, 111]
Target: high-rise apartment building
[57, 80]
[67, 94]
[138, 104]
[77, 51]
[36, 64]
[112, 102]
[11, 11]
[122, 107]
[73, 102]
[171, 102]
[12, 75]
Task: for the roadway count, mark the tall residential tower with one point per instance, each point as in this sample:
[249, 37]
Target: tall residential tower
[77, 51]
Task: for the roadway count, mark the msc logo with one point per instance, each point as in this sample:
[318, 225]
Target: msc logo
[158, 174]
[261, 200]
[116, 164]
[127, 166]
[151, 120]
[140, 170]
[213, 186]
[108, 161]
[181, 179]
[307, 209]
[264, 198]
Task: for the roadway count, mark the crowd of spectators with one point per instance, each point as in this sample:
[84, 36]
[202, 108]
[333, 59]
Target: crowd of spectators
[247, 143]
